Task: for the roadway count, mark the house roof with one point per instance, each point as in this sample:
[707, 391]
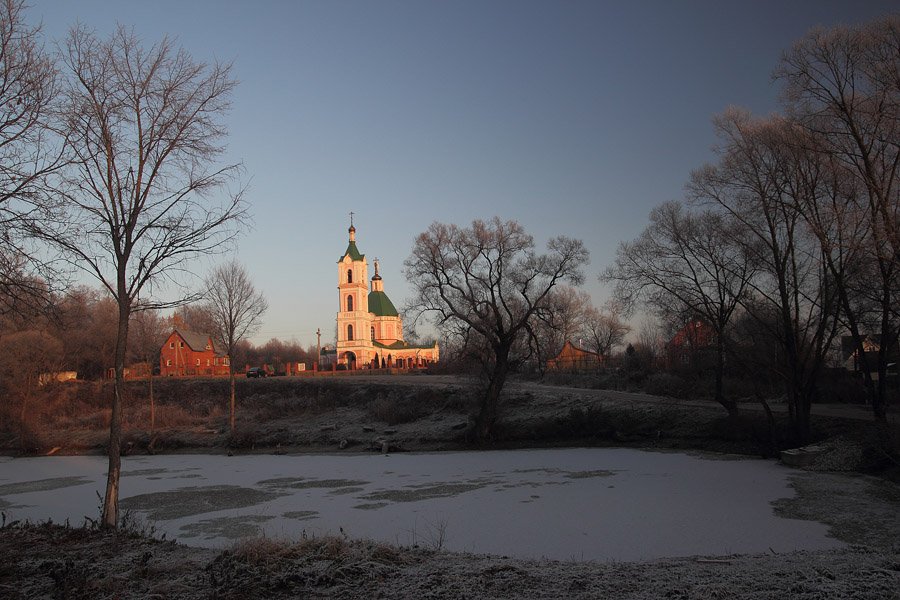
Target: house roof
[352, 251]
[381, 306]
[401, 345]
[197, 341]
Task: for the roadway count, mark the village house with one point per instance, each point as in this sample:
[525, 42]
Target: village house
[690, 344]
[188, 353]
[369, 328]
[853, 362]
[572, 359]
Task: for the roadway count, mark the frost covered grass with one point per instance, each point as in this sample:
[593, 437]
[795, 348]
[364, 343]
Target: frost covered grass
[44, 561]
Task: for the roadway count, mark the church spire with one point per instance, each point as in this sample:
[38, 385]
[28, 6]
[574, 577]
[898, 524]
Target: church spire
[377, 284]
[352, 229]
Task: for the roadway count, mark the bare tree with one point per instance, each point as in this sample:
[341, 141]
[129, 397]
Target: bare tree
[144, 196]
[842, 86]
[758, 188]
[25, 357]
[31, 152]
[486, 284]
[603, 330]
[691, 260]
[236, 309]
[561, 320]
[147, 334]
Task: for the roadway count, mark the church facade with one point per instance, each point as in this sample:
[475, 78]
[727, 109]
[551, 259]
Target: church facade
[369, 328]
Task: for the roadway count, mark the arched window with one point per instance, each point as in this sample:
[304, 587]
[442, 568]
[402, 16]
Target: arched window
[349, 275]
[350, 303]
[350, 333]
[373, 334]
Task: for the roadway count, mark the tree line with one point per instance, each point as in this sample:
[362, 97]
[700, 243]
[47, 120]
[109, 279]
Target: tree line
[788, 241]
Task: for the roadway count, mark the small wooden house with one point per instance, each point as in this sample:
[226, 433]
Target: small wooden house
[190, 354]
[574, 359]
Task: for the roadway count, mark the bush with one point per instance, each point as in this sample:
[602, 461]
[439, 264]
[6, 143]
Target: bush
[666, 384]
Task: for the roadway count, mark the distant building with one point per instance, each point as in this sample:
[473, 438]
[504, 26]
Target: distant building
[369, 328]
[573, 359]
[871, 344]
[690, 343]
[188, 353]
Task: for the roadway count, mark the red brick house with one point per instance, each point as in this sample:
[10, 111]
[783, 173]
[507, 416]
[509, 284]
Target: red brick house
[571, 358]
[188, 353]
[690, 343]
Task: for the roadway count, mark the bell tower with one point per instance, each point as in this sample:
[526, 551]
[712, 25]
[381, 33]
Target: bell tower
[354, 345]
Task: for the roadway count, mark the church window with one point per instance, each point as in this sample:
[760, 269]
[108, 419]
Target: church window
[350, 303]
[373, 334]
[350, 333]
[349, 275]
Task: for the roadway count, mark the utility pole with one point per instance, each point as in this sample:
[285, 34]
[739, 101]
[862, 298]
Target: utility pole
[318, 348]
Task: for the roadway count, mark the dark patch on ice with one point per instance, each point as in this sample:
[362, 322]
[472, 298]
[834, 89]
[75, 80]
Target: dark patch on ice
[232, 528]
[345, 490]
[587, 474]
[301, 515]
[161, 471]
[187, 501]
[533, 484]
[423, 492]
[139, 472]
[42, 485]
[302, 483]
[371, 506]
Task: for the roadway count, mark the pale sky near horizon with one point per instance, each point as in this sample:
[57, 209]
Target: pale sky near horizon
[575, 118]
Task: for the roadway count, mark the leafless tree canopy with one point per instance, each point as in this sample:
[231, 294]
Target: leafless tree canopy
[687, 263]
[842, 88]
[486, 284]
[603, 330]
[32, 149]
[145, 192]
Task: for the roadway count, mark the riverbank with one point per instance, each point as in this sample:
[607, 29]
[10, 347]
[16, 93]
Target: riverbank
[51, 561]
[410, 413]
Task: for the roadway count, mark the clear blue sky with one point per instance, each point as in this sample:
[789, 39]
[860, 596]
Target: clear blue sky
[572, 117]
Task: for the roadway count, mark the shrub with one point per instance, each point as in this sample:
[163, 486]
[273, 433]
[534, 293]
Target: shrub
[666, 384]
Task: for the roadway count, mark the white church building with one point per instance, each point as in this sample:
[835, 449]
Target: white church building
[369, 328]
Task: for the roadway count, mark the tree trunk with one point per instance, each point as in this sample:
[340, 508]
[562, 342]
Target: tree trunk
[110, 517]
[231, 384]
[800, 415]
[152, 403]
[23, 425]
[487, 416]
[730, 405]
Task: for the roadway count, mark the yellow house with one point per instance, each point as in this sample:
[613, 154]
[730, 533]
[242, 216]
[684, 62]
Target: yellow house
[369, 328]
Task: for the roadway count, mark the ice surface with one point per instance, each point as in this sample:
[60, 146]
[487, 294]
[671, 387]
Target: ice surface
[582, 504]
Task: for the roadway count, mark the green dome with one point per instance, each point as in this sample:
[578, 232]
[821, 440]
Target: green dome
[381, 305]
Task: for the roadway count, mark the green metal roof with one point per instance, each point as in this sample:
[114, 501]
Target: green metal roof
[398, 345]
[381, 305]
[353, 252]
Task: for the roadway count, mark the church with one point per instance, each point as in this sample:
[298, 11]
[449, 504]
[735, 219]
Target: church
[369, 328]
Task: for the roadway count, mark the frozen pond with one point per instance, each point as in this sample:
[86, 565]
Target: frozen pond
[582, 504]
